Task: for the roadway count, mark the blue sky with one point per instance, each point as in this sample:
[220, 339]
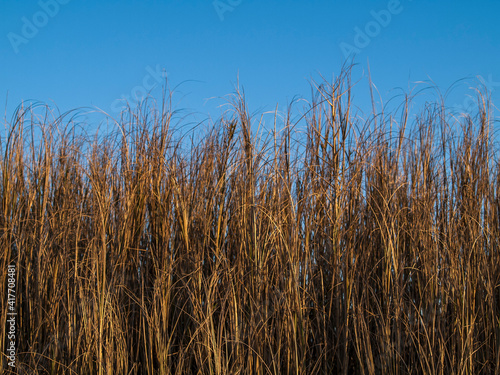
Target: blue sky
[77, 53]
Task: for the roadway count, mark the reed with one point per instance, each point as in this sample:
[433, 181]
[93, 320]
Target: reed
[329, 245]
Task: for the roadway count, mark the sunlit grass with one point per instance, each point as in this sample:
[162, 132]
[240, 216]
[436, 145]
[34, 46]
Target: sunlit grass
[349, 246]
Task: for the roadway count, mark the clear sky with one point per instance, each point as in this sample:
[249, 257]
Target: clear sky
[77, 53]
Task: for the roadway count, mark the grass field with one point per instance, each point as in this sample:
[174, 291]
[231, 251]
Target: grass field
[346, 246]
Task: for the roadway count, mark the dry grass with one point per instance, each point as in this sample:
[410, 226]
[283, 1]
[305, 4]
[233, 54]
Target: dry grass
[351, 248]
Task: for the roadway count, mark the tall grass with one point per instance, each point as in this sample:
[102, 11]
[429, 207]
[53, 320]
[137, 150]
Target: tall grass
[347, 247]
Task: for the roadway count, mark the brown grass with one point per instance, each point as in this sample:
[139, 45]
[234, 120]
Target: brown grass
[353, 247]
